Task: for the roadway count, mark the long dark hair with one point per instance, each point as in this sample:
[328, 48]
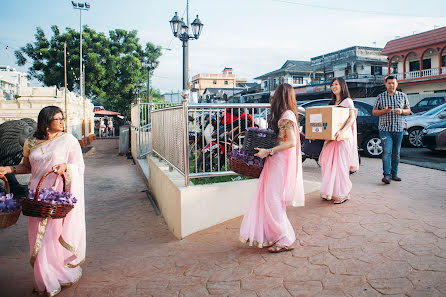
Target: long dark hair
[345, 93]
[44, 120]
[283, 99]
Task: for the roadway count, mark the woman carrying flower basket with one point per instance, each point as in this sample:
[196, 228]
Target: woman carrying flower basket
[280, 184]
[57, 246]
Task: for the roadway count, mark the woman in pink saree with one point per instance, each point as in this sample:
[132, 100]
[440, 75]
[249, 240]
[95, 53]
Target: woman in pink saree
[266, 224]
[57, 246]
[340, 157]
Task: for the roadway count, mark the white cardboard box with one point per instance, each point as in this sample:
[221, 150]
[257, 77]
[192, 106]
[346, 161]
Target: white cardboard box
[322, 122]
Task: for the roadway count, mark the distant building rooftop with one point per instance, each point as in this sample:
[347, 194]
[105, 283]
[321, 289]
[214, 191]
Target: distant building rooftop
[414, 41]
[290, 66]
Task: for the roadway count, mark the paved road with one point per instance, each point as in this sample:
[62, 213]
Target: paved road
[387, 240]
[424, 157]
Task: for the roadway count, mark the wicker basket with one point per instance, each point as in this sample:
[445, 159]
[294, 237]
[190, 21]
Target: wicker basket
[8, 219]
[260, 138]
[41, 209]
[241, 167]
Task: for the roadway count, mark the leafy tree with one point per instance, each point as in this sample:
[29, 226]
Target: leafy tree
[114, 64]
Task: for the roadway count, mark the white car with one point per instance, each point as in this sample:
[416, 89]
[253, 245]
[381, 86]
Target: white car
[413, 130]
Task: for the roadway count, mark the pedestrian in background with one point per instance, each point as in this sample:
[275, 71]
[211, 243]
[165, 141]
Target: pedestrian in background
[280, 184]
[102, 127]
[391, 106]
[339, 157]
[110, 127]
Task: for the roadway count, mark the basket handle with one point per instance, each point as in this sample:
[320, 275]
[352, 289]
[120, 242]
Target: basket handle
[235, 137]
[6, 183]
[39, 185]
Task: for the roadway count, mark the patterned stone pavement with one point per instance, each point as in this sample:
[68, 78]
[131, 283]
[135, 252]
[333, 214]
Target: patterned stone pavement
[387, 240]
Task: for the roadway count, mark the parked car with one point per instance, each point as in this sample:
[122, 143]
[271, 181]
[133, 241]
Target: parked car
[428, 103]
[369, 142]
[413, 130]
[434, 137]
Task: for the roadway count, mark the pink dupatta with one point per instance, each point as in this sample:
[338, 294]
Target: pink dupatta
[337, 159]
[293, 192]
[354, 158]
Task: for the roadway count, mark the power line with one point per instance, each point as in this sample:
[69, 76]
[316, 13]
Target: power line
[349, 9]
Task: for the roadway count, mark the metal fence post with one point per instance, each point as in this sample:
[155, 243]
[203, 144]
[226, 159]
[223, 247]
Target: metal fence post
[186, 143]
[138, 139]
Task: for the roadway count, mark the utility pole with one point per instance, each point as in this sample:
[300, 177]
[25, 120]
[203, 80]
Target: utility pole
[65, 83]
[85, 118]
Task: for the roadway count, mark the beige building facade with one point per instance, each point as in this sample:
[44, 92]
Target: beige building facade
[226, 79]
[32, 99]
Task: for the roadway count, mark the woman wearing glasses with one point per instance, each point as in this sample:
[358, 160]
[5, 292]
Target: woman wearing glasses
[57, 246]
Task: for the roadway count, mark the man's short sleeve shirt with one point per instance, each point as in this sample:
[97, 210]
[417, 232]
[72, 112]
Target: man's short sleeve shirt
[391, 121]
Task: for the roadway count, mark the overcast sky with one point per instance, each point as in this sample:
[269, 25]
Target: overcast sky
[252, 36]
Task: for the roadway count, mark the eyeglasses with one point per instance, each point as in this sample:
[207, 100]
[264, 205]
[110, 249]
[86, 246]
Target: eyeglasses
[59, 119]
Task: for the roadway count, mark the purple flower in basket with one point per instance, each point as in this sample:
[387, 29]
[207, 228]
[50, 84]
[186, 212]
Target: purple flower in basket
[261, 130]
[8, 203]
[52, 196]
[246, 158]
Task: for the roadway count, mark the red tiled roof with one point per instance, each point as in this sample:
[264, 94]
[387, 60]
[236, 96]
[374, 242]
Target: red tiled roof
[105, 112]
[415, 41]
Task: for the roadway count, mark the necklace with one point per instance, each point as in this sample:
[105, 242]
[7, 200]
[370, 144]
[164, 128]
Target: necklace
[41, 148]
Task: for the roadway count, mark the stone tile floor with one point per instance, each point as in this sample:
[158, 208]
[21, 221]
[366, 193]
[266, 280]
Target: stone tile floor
[387, 240]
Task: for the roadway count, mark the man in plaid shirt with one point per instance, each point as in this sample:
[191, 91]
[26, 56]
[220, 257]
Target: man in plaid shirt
[391, 106]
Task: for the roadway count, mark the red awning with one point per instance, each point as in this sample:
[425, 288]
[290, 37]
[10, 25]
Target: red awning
[105, 112]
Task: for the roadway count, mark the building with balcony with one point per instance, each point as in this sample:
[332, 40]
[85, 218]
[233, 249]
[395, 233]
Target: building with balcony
[295, 73]
[363, 69]
[358, 64]
[10, 82]
[419, 61]
[225, 80]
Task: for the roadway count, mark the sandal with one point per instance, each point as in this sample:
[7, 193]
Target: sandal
[340, 201]
[278, 248]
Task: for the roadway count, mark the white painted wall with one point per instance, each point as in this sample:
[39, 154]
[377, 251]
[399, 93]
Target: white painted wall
[33, 99]
[194, 208]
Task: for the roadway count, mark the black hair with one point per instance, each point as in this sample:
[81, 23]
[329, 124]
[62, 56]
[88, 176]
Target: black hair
[345, 93]
[390, 77]
[44, 120]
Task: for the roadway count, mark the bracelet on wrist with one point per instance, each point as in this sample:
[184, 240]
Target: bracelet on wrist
[271, 151]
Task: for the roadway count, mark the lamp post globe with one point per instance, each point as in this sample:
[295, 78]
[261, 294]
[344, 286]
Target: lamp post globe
[175, 24]
[181, 30]
[197, 26]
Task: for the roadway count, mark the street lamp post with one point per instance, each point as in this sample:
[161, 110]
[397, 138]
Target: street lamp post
[81, 6]
[150, 66]
[181, 30]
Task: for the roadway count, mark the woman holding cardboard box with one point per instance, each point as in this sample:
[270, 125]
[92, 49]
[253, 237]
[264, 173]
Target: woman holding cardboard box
[340, 156]
[280, 184]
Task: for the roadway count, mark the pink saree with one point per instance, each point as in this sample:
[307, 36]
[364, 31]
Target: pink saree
[280, 184]
[57, 246]
[337, 159]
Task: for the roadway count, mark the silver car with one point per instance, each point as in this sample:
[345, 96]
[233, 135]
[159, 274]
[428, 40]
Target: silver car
[415, 124]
